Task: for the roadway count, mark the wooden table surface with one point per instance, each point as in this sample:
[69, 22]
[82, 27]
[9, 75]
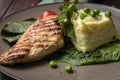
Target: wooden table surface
[8, 7]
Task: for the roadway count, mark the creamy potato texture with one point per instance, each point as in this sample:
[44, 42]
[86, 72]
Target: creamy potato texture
[90, 33]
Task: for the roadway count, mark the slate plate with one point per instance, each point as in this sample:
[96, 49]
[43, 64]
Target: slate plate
[40, 70]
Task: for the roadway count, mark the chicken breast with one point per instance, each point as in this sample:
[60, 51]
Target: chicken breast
[41, 39]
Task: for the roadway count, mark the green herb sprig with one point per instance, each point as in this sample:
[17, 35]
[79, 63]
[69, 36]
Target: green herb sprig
[67, 9]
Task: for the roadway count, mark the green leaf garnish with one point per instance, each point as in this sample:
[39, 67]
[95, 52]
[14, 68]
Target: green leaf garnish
[65, 17]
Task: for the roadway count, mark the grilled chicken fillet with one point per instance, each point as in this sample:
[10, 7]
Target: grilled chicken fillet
[41, 39]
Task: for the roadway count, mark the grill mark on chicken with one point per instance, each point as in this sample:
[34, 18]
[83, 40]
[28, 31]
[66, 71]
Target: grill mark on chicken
[47, 22]
[21, 50]
[42, 45]
[52, 29]
[46, 29]
[46, 42]
[22, 45]
[13, 57]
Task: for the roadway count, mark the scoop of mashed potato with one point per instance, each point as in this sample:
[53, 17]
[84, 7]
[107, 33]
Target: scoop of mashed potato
[90, 33]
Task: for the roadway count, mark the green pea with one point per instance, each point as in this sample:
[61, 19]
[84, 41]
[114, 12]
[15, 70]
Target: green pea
[82, 16]
[86, 10]
[53, 64]
[97, 11]
[108, 14]
[93, 13]
[68, 68]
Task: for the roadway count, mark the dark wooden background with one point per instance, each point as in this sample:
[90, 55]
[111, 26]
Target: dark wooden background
[8, 7]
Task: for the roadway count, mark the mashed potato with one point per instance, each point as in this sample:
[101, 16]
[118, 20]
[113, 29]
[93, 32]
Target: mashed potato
[90, 33]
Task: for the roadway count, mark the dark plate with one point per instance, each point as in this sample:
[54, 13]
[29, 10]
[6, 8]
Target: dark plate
[40, 70]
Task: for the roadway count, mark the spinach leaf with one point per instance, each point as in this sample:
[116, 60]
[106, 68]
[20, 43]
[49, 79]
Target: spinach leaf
[107, 53]
[12, 31]
[16, 27]
[11, 39]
